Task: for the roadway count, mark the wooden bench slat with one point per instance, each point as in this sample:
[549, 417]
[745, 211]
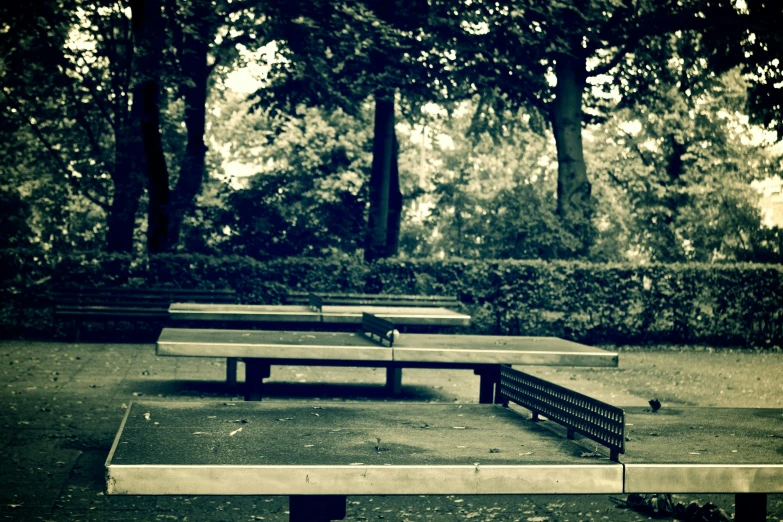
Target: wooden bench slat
[127, 304]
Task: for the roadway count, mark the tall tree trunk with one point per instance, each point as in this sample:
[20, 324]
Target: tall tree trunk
[128, 180]
[573, 188]
[128, 188]
[380, 176]
[157, 171]
[147, 31]
[674, 199]
[193, 167]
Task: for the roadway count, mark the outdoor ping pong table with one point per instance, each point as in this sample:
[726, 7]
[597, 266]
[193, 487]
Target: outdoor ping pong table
[318, 453]
[328, 316]
[482, 353]
[330, 313]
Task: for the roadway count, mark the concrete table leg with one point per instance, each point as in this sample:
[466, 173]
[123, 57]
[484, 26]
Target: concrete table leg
[231, 372]
[750, 507]
[316, 508]
[256, 370]
[393, 380]
[490, 375]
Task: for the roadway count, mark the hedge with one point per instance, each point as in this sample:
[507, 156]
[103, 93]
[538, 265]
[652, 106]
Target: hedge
[723, 304]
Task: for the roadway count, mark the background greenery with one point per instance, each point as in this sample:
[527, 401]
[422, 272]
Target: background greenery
[737, 304]
[592, 180]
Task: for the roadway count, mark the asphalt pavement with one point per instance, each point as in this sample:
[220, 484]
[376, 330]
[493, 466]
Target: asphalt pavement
[61, 405]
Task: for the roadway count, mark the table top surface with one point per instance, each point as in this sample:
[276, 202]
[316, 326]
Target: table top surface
[338, 314]
[276, 447]
[407, 348]
[708, 450]
[298, 447]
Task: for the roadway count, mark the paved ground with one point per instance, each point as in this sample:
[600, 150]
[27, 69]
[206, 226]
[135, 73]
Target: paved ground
[61, 405]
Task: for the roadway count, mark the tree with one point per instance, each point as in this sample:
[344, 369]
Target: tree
[308, 194]
[492, 193]
[193, 55]
[575, 43]
[343, 52]
[686, 167]
[66, 78]
[148, 35]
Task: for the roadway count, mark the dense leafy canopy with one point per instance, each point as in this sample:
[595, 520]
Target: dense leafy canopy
[599, 129]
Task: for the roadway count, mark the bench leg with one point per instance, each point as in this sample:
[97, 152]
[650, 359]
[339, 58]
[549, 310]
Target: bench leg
[231, 372]
[256, 370]
[750, 507]
[490, 375]
[316, 508]
[393, 380]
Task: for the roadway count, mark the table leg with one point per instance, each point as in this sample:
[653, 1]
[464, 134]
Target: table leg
[231, 372]
[490, 376]
[316, 508]
[393, 380]
[256, 370]
[750, 507]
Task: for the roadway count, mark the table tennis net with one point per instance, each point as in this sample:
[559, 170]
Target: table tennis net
[316, 302]
[594, 419]
[377, 326]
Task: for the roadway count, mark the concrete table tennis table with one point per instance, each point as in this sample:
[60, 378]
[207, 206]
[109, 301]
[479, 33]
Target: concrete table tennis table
[482, 353]
[332, 316]
[317, 315]
[317, 454]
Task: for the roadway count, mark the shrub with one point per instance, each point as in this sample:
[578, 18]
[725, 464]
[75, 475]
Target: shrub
[738, 304]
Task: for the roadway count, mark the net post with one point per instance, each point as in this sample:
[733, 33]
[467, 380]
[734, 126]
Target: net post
[383, 328]
[316, 302]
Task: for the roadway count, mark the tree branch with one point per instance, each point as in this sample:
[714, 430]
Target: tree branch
[87, 81]
[53, 154]
[605, 68]
[664, 22]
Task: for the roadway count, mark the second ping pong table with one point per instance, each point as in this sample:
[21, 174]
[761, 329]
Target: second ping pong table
[317, 454]
[370, 347]
[319, 312]
[332, 313]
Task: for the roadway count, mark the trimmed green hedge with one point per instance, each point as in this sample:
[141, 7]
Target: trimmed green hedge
[738, 304]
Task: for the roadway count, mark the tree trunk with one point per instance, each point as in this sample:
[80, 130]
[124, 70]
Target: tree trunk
[128, 180]
[193, 167]
[674, 199]
[128, 188]
[573, 189]
[147, 31]
[157, 171]
[380, 177]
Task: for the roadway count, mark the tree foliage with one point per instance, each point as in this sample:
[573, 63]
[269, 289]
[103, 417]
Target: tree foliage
[308, 194]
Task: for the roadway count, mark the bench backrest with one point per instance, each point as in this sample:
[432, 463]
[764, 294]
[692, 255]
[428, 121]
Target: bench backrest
[154, 297]
[383, 328]
[596, 420]
[431, 301]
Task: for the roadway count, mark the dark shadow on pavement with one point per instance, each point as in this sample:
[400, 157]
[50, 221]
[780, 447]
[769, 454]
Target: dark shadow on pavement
[281, 390]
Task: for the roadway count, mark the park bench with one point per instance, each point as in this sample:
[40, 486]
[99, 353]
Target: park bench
[333, 298]
[319, 453]
[85, 304]
[371, 346]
